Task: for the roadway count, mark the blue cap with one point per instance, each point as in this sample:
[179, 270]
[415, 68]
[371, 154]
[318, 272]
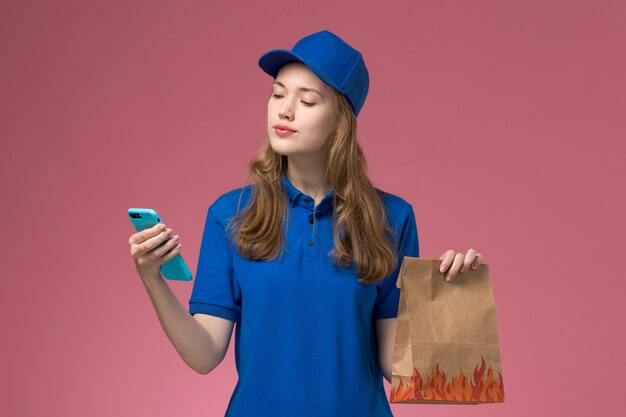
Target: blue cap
[331, 59]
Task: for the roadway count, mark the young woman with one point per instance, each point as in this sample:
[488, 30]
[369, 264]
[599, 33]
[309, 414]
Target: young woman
[304, 260]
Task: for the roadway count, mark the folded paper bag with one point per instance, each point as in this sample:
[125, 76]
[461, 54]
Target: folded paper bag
[446, 349]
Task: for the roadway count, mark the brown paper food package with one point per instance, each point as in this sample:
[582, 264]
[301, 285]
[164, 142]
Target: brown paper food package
[446, 349]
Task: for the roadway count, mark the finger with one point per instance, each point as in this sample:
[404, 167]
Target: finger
[477, 260]
[146, 233]
[447, 258]
[469, 258]
[153, 242]
[175, 251]
[139, 249]
[456, 265]
[165, 248]
[159, 240]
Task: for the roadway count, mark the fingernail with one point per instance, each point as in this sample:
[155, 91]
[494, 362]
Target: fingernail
[442, 268]
[162, 226]
[448, 278]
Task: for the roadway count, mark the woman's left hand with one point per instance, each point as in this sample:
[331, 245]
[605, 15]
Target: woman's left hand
[457, 262]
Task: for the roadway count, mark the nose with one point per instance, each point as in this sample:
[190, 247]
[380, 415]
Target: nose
[285, 111]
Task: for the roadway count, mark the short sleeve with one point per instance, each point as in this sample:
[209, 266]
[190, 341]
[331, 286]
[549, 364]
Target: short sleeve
[388, 298]
[215, 290]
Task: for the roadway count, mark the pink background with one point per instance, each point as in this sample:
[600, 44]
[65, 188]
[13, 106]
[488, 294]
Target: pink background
[501, 122]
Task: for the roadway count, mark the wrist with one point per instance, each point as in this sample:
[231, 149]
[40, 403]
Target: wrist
[148, 277]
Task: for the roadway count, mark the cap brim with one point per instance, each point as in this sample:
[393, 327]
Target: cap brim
[271, 61]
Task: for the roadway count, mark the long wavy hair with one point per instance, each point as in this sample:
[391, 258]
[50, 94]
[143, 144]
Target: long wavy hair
[362, 235]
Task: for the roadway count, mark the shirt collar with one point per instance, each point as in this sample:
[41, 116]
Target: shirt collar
[297, 197]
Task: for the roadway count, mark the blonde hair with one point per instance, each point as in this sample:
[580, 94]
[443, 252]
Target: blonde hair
[361, 231]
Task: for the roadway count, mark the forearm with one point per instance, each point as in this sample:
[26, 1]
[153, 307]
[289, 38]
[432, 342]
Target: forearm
[192, 342]
[386, 336]
[386, 370]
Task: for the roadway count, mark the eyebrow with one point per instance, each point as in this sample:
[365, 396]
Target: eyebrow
[301, 88]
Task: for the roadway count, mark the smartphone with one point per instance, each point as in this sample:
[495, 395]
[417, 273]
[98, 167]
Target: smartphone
[175, 269]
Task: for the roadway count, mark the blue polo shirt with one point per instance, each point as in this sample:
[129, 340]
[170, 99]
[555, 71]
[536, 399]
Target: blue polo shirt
[305, 341]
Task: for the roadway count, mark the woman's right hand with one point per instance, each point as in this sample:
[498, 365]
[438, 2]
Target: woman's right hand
[148, 259]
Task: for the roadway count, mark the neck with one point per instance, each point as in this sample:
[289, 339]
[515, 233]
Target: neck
[307, 177]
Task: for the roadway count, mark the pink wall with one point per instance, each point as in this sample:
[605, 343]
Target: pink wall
[501, 122]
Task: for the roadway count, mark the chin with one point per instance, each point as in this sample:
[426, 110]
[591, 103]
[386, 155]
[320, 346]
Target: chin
[281, 147]
[284, 152]
[286, 149]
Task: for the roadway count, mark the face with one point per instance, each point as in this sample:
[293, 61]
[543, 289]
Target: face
[311, 113]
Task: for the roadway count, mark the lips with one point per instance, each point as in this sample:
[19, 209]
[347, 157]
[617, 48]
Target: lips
[283, 133]
[283, 128]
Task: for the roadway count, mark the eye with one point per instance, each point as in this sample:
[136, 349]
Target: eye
[307, 104]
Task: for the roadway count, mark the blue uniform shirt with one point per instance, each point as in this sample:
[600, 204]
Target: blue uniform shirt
[305, 341]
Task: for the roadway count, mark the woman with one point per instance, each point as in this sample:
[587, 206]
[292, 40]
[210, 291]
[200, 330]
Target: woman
[304, 260]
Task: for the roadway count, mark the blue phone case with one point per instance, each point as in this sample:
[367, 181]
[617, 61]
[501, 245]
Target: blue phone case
[174, 269]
